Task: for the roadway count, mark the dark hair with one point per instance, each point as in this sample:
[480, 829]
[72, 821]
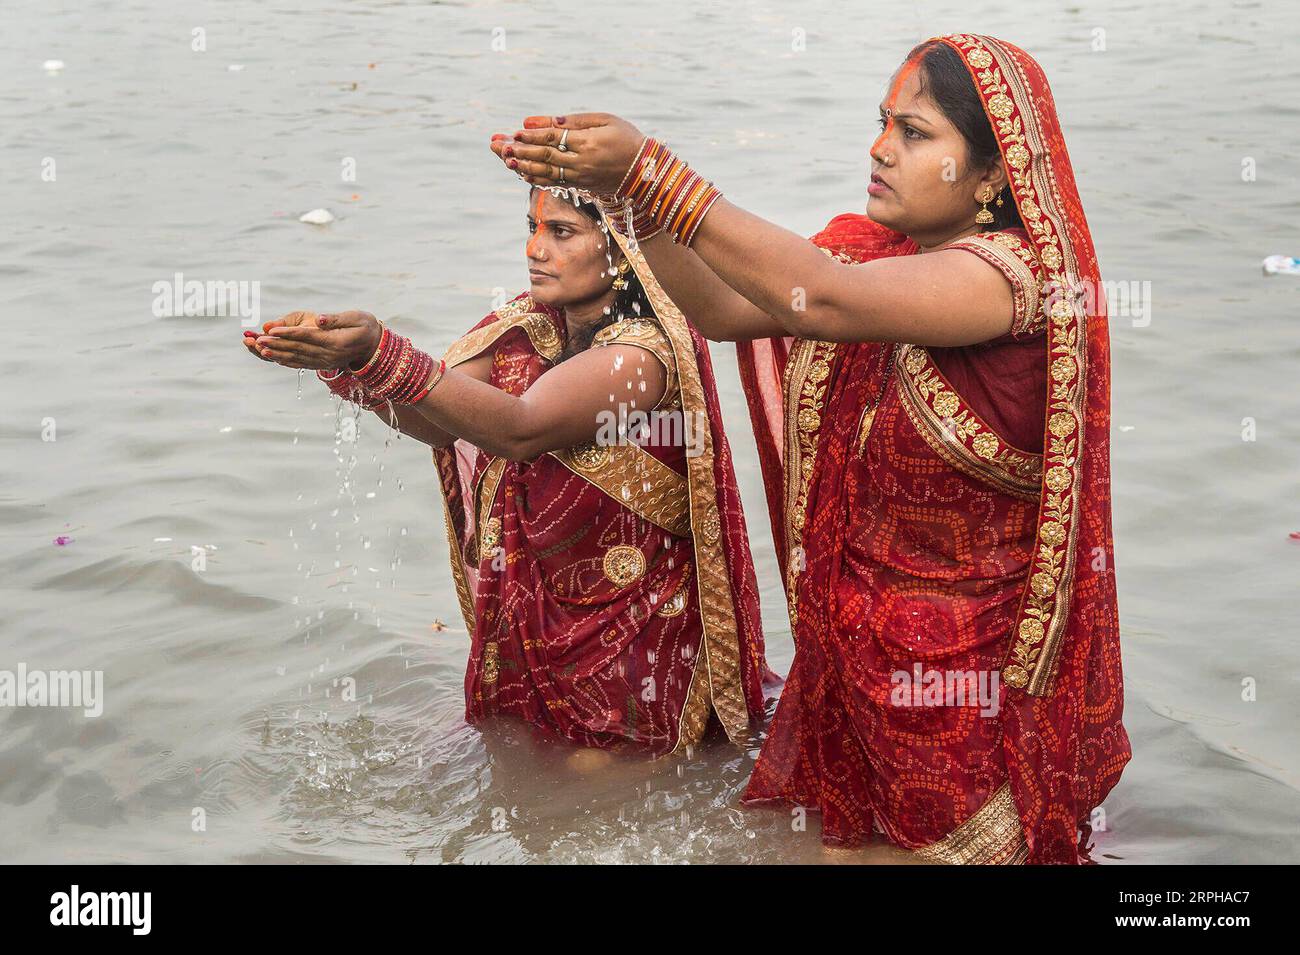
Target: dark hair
[629, 302]
[946, 81]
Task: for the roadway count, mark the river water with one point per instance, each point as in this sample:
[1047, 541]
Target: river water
[235, 574]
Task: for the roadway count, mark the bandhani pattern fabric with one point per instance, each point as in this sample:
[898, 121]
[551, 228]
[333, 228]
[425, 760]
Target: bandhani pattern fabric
[965, 535]
[608, 588]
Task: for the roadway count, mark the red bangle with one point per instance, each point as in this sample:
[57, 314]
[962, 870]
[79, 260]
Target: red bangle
[437, 377]
[379, 349]
[665, 191]
[397, 373]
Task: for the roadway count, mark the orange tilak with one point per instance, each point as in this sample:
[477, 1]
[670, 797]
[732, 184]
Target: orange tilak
[536, 211]
[904, 71]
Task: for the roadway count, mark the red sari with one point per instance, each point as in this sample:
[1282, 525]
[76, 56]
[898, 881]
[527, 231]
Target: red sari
[960, 526]
[608, 589]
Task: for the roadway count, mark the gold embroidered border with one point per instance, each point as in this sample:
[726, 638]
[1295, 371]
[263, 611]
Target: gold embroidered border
[720, 684]
[444, 460]
[521, 312]
[636, 479]
[541, 332]
[993, 836]
[959, 435]
[648, 335]
[1016, 261]
[1044, 607]
[486, 494]
[675, 605]
[804, 388]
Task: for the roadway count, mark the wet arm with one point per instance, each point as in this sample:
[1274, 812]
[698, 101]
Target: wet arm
[720, 312]
[944, 298]
[560, 410]
[411, 422]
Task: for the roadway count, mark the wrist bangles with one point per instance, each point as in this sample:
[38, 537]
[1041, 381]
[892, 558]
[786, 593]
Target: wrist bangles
[397, 373]
[659, 191]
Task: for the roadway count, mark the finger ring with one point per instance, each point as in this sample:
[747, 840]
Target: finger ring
[564, 138]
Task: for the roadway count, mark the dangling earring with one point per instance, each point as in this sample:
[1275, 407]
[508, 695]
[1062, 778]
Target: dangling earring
[984, 217]
[620, 282]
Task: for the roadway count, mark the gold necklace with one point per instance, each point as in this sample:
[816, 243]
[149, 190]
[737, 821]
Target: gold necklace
[869, 412]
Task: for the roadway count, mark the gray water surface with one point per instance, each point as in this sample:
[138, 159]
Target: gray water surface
[226, 687]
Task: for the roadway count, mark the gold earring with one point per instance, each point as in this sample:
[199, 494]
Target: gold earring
[620, 282]
[984, 217]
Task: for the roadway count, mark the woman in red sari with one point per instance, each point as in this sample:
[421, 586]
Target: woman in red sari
[601, 560]
[929, 386]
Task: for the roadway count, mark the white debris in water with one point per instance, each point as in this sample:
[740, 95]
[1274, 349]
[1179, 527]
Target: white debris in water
[235, 67]
[317, 217]
[52, 66]
[227, 429]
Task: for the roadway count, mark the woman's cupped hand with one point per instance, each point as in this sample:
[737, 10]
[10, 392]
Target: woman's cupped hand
[311, 340]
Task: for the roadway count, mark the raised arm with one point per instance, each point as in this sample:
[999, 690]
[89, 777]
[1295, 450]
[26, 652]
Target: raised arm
[563, 407]
[714, 307]
[411, 422]
[908, 298]
[944, 298]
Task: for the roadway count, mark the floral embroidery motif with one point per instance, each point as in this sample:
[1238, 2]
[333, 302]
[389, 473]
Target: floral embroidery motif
[542, 331]
[490, 539]
[711, 526]
[623, 565]
[675, 605]
[1014, 259]
[952, 426]
[636, 479]
[491, 662]
[806, 374]
[590, 456]
[1041, 618]
[521, 313]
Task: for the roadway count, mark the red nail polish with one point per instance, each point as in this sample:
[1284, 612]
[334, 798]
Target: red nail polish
[559, 121]
[513, 164]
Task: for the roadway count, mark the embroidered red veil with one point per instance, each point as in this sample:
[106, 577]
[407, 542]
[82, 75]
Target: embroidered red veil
[1061, 737]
